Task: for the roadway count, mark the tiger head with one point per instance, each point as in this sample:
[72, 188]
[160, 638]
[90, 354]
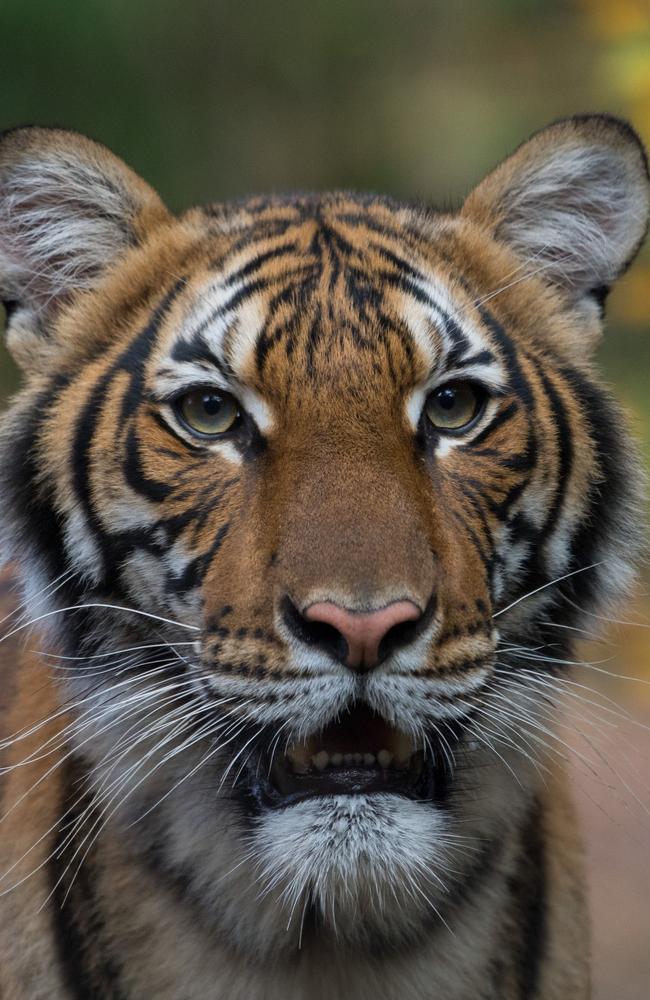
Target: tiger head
[302, 483]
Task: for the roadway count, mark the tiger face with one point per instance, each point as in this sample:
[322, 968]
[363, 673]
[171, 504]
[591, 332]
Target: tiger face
[290, 479]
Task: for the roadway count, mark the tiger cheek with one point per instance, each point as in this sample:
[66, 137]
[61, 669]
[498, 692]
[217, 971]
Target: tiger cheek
[237, 603]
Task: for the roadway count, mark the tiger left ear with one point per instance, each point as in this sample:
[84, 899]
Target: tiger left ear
[572, 202]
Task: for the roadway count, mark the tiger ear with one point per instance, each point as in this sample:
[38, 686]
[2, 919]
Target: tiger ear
[69, 209]
[572, 202]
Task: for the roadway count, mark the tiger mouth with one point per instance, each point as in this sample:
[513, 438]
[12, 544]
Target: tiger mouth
[358, 754]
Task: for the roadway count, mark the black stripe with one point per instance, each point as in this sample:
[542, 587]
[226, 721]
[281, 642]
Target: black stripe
[258, 285]
[91, 972]
[528, 891]
[252, 288]
[473, 492]
[565, 452]
[404, 284]
[361, 221]
[522, 462]
[400, 263]
[291, 294]
[132, 360]
[135, 475]
[27, 493]
[256, 262]
[194, 572]
[267, 229]
[474, 540]
[455, 359]
[500, 508]
[480, 358]
[195, 349]
[610, 500]
[537, 573]
[518, 381]
[500, 418]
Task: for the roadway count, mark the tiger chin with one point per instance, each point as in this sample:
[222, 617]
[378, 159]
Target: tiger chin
[306, 496]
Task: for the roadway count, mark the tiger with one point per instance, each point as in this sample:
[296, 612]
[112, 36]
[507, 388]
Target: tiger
[305, 497]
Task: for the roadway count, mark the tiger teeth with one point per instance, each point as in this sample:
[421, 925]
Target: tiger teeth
[299, 761]
[320, 761]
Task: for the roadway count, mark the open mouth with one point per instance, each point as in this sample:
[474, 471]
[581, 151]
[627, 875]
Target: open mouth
[358, 754]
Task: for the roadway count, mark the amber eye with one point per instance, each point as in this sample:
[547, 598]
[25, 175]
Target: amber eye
[452, 407]
[207, 411]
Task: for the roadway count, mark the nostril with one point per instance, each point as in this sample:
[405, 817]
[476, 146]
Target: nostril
[314, 633]
[398, 636]
[406, 631]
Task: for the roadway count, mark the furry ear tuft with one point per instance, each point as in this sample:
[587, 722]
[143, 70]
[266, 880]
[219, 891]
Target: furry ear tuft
[68, 209]
[573, 202]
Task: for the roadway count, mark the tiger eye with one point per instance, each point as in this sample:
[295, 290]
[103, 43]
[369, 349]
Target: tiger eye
[208, 412]
[454, 406]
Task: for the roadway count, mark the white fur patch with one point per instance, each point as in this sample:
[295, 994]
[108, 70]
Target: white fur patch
[382, 855]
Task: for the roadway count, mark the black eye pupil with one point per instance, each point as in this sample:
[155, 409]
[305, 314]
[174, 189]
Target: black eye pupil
[447, 398]
[212, 403]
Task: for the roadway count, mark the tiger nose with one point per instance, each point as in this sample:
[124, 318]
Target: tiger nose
[361, 639]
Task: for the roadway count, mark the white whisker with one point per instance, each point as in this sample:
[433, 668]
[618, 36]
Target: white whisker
[545, 586]
[85, 607]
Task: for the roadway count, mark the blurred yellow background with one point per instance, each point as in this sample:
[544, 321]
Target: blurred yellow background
[418, 98]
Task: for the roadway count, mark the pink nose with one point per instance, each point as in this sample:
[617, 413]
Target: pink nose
[363, 631]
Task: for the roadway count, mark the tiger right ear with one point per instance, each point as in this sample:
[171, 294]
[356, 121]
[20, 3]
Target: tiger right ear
[69, 209]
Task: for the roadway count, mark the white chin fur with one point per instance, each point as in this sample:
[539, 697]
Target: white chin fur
[372, 866]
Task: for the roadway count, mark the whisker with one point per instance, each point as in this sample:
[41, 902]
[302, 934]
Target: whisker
[605, 618]
[40, 595]
[544, 586]
[85, 607]
[110, 653]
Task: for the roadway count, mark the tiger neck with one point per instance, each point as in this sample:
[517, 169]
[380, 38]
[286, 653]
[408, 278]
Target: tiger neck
[128, 924]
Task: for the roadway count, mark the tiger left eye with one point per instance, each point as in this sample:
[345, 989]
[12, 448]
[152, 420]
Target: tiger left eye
[208, 412]
[454, 406]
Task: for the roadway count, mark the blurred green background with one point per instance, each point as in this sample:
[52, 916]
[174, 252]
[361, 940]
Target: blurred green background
[210, 99]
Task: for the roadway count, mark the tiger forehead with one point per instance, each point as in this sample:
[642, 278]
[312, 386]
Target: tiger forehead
[330, 300]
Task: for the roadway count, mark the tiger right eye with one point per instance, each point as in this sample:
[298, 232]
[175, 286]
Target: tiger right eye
[208, 412]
